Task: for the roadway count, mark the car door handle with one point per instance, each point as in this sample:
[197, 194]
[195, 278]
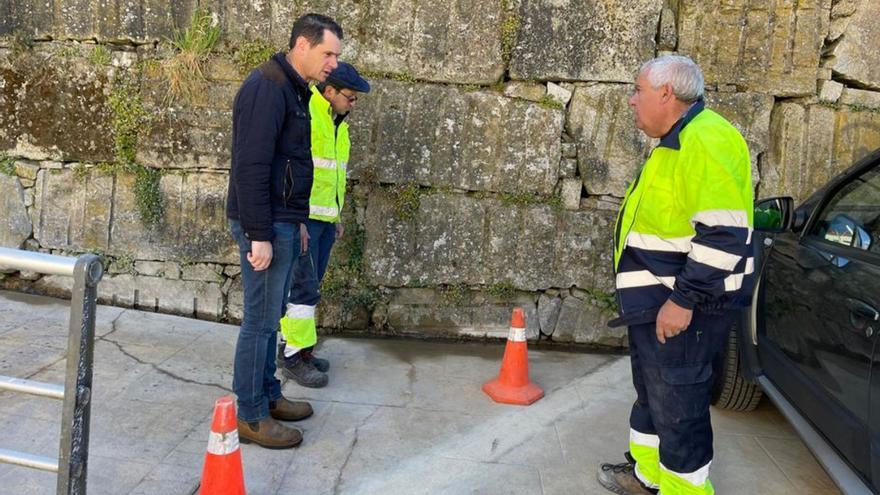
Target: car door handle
[861, 315]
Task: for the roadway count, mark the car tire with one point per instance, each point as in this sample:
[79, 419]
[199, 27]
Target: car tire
[732, 391]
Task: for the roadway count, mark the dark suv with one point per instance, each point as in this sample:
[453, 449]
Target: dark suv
[809, 340]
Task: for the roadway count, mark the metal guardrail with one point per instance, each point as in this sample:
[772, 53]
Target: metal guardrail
[76, 394]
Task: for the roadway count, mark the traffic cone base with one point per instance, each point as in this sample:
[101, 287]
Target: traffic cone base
[519, 396]
[512, 385]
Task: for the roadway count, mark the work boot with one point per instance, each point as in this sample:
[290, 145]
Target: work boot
[320, 364]
[620, 478]
[269, 433]
[303, 373]
[289, 410]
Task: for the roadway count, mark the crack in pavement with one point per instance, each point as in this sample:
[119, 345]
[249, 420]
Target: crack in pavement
[338, 482]
[152, 365]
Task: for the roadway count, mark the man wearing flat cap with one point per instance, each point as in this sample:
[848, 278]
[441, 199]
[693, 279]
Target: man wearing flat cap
[330, 104]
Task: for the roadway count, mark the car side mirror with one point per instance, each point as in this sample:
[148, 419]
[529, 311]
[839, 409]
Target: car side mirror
[774, 215]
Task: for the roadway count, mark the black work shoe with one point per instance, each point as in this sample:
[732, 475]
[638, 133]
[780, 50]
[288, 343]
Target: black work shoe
[620, 479]
[320, 364]
[269, 433]
[303, 373]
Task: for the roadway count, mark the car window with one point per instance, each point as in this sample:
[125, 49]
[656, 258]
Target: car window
[852, 217]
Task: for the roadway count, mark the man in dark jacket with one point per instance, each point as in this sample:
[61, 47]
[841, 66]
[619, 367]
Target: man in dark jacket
[267, 207]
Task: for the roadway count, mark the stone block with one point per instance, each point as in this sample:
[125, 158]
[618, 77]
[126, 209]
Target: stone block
[40, 103]
[137, 21]
[150, 268]
[667, 37]
[830, 91]
[73, 210]
[341, 317]
[476, 314]
[188, 134]
[193, 228]
[812, 144]
[202, 272]
[455, 239]
[231, 270]
[860, 98]
[571, 193]
[558, 93]
[29, 18]
[525, 90]
[172, 270]
[26, 170]
[549, 307]
[15, 224]
[568, 168]
[186, 298]
[441, 136]
[855, 57]
[762, 47]
[584, 40]
[432, 41]
[611, 149]
[569, 150]
[581, 321]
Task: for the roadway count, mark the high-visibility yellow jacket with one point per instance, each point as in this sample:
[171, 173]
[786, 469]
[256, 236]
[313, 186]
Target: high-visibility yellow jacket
[330, 151]
[684, 229]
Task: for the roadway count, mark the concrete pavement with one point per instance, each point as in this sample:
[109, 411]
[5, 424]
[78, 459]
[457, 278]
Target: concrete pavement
[399, 417]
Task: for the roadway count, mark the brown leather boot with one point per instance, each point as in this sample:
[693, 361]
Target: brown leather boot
[289, 410]
[269, 433]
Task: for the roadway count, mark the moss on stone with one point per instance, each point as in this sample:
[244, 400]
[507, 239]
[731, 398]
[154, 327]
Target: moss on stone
[452, 295]
[406, 199]
[100, 56]
[509, 32]
[250, 54]
[504, 290]
[7, 165]
[80, 173]
[548, 101]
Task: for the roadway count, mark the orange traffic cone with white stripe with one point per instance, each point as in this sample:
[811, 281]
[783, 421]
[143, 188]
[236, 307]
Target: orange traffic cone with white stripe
[222, 474]
[512, 385]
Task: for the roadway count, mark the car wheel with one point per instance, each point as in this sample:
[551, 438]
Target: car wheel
[732, 391]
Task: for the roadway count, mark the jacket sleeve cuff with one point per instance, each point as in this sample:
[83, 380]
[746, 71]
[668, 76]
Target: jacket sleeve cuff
[259, 235]
[678, 298]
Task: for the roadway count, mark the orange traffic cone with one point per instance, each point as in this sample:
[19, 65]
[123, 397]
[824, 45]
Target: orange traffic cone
[512, 385]
[222, 474]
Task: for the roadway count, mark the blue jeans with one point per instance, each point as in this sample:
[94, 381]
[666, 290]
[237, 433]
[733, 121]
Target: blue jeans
[253, 380]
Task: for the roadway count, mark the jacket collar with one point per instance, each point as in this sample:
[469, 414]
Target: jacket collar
[324, 106]
[298, 81]
[671, 139]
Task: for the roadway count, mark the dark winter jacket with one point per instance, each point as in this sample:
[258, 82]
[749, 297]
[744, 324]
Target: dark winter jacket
[271, 175]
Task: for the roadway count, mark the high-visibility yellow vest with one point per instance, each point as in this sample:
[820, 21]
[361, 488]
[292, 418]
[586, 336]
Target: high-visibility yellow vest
[330, 151]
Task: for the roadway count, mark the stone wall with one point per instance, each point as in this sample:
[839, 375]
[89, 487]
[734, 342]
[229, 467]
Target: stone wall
[488, 162]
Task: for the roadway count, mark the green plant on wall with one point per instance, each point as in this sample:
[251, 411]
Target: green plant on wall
[129, 120]
[504, 290]
[509, 31]
[250, 54]
[100, 55]
[185, 70]
[7, 164]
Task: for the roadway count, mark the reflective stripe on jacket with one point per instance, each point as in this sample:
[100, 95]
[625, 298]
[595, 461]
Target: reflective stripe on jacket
[684, 229]
[330, 151]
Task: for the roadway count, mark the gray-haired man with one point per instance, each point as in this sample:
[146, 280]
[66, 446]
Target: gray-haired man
[682, 269]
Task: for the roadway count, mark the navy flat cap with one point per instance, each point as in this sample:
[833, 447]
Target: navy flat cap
[345, 76]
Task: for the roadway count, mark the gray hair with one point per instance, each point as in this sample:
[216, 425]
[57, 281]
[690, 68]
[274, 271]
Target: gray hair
[680, 72]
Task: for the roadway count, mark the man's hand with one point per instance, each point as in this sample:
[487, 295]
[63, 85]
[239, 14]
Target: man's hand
[340, 230]
[260, 255]
[303, 239]
[672, 320]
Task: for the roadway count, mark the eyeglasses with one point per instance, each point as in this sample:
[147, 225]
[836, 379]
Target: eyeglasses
[351, 98]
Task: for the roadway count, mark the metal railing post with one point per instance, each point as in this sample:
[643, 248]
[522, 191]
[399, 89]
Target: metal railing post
[74, 448]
